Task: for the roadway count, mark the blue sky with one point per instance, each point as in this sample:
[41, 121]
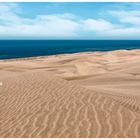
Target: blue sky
[70, 20]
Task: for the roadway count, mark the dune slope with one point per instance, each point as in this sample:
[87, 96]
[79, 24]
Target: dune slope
[90, 94]
[37, 104]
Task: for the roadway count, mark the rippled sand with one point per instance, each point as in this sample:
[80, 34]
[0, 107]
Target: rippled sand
[91, 94]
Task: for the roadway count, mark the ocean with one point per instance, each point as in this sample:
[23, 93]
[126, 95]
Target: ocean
[29, 48]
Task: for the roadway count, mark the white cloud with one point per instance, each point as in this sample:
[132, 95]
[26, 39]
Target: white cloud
[41, 26]
[122, 33]
[129, 22]
[131, 17]
[8, 7]
[67, 25]
[98, 25]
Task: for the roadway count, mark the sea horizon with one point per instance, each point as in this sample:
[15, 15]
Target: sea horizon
[31, 48]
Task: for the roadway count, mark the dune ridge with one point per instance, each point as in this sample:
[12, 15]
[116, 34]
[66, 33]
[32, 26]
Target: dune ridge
[74, 95]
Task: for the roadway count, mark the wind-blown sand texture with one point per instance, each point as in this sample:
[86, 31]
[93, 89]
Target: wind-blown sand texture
[90, 94]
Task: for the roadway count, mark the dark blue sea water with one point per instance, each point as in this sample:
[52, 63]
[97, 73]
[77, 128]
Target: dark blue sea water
[28, 48]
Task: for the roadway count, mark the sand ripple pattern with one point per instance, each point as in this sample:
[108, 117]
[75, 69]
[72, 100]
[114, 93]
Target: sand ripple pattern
[38, 104]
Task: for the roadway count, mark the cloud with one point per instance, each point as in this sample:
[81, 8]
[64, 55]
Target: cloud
[131, 17]
[121, 33]
[67, 25]
[8, 7]
[41, 26]
[47, 26]
[98, 25]
[129, 22]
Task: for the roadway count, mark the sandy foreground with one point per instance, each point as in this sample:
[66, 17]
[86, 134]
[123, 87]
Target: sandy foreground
[90, 94]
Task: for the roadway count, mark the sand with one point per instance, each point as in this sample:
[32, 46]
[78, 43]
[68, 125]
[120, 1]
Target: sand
[81, 95]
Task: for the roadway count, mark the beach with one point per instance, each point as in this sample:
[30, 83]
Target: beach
[78, 95]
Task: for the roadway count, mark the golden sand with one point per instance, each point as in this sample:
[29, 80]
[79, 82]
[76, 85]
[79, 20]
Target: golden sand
[90, 94]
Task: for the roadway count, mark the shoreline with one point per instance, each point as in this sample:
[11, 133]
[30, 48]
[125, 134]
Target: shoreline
[64, 54]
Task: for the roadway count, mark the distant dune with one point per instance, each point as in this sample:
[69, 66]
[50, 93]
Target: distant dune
[90, 94]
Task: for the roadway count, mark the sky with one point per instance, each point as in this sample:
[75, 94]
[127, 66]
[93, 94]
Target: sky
[61, 20]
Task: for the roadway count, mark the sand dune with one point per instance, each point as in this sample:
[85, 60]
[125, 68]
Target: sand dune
[91, 94]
